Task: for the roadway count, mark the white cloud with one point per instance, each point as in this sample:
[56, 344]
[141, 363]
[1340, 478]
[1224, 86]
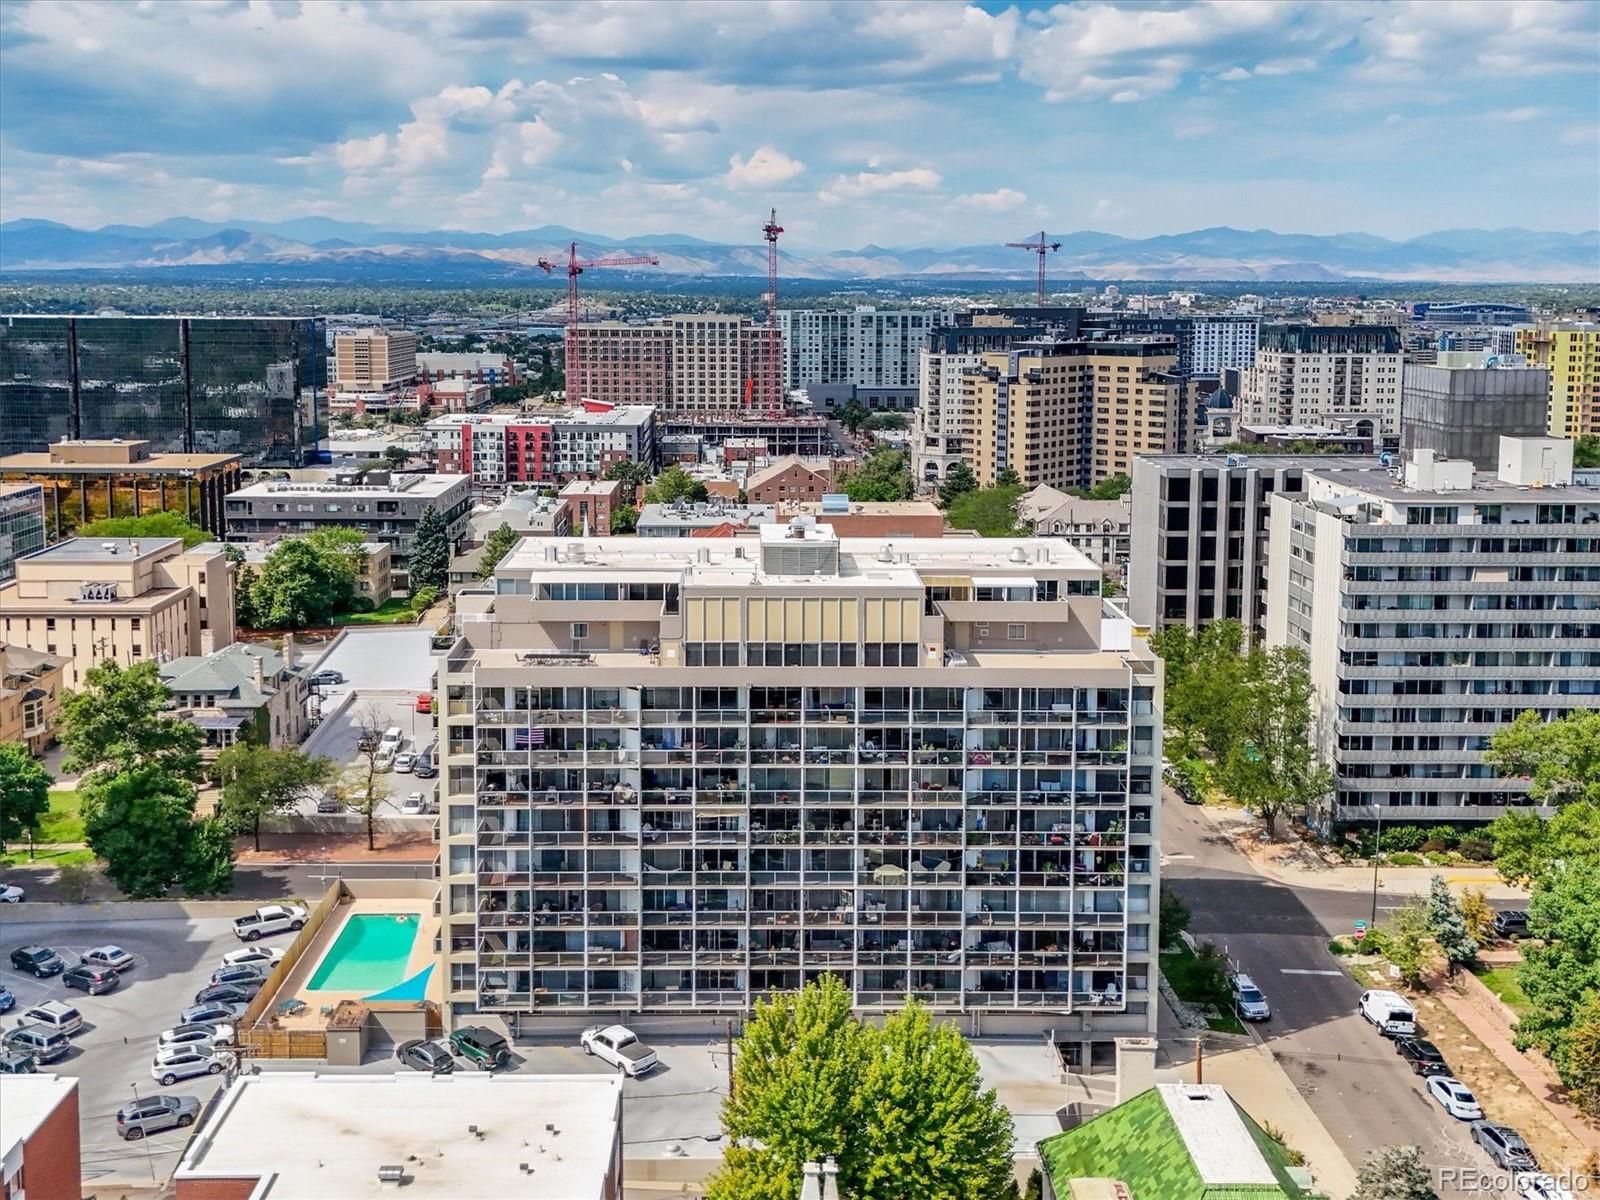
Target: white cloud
[1106, 209]
[1233, 74]
[1514, 116]
[766, 167]
[1000, 200]
[363, 154]
[867, 183]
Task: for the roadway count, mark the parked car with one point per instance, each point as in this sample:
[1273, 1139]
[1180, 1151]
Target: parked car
[327, 803]
[269, 918]
[425, 768]
[1421, 1056]
[433, 1057]
[185, 1062]
[267, 956]
[114, 957]
[405, 763]
[1505, 1145]
[384, 761]
[425, 702]
[188, 1035]
[1511, 923]
[327, 679]
[1389, 1011]
[54, 1014]
[152, 1114]
[16, 1062]
[212, 1012]
[37, 960]
[95, 981]
[619, 1046]
[8, 1000]
[1535, 1186]
[1455, 1098]
[229, 993]
[241, 973]
[37, 1042]
[482, 1047]
[367, 741]
[413, 805]
[1248, 999]
[10, 893]
[392, 738]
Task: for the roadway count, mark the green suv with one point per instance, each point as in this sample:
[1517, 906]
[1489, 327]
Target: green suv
[482, 1047]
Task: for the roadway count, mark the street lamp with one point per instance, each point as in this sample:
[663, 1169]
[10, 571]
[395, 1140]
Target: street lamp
[143, 1137]
[1377, 857]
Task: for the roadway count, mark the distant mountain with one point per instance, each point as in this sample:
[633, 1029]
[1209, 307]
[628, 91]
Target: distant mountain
[359, 251]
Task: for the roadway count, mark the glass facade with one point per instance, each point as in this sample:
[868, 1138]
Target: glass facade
[21, 525]
[248, 385]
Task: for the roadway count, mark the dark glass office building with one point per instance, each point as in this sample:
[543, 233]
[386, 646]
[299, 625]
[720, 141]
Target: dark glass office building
[254, 386]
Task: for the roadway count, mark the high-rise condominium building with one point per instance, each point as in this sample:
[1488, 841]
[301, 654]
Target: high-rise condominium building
[1207, 345]
[1199, 534]
[680, 773]
[867, 347]
[696, 363]
[616, 362]
[374, 359]
[1435, 605]
[1316, 374]
[1463, 412]
[1571, 353]
[1070, 414]
[938, 440]
[253, 386]
[579, 443]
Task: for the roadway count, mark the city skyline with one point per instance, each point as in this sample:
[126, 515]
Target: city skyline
[892, 124]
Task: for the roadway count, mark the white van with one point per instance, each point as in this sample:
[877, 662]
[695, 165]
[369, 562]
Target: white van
[1390, 1012]
[392, 737]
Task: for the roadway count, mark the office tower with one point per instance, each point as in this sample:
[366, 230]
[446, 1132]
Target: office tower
[1069, 414]
[1571, 353]
[21, 524]
[253, 386]
[678, 774]
[1314, 374]
[938, 439]
[865, 346]
[1435, 605]
[496, 449]
[374, 359]
[1462, 412]
[1199, 534]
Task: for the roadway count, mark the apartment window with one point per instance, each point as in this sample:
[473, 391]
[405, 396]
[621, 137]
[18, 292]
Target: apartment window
[1016, 633]
[136, 623]
[580, 630]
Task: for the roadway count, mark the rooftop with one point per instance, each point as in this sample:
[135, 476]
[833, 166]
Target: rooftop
[627, 414]
[227, 670]
[399, 485]
[155, 464]
[1487, 487]
[86, 550]
[1270, 462]
[30, 1099]
[452, 1135]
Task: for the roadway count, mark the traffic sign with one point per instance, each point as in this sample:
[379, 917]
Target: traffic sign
[1361, 935]
[1360, 925]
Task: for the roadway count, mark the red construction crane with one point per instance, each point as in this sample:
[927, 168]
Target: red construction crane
[774, 389]
[576, 267]
[1041, 248]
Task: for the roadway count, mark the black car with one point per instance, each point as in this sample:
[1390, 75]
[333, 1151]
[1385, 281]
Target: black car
[483, 1047]
[1422, 1056]
[428, 1056]
[1512, 923]
[229, 993]
[93, 980]
[37, 960]
[1505, 1145]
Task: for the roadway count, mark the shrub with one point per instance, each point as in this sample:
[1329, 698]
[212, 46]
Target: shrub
[362, 604]
[1449, 835]
[1404, 837]
[1405, 860]
[1476, 848]
[1432, 846]
[1342, 946]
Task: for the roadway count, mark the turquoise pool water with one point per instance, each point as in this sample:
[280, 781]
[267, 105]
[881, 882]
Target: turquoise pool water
[370, 953]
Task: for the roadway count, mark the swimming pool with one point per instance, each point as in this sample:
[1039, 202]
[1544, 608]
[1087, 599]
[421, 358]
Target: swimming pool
[371, 952]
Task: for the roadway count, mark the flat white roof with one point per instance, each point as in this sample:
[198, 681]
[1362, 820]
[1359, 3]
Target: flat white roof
[29, 1099]
[323, 1136]
[1215, 1135]
[405, 483]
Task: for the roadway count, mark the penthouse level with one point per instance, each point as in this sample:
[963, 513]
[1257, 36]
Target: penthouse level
[680, 773]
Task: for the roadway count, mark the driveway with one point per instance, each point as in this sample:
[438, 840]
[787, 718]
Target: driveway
[337, 735]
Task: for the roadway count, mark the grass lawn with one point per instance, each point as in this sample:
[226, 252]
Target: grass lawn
[393, 611]
[1183, 972]
[64, 821]
[18, 857]
[1502, 981]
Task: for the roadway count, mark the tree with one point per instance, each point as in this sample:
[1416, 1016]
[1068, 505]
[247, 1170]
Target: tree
[117, 721]
[430, 552]
[1111, 488]
[150, 525]
[24, 792]
[632, 475]
[1479, 915]
[958, 481]
[991, 512]
[260, 780]
[244, 598]
[675, 484]
[141, 823]
[1560, 759]
[1586, 452]
[1205, 678]
[1560, 975]
[887, 420]
[362, 788]
[343, 550]
[1394, 1173]
[882, 475]
[496, 546]
[1527, 845]
[299, 586]
[1448, 924]
[1404, 940]
[899, 1109]
[1189, 778]
[1007, 477]
[852, 415]
[624, 520]
[1173, 916]
[1272, 766]
[396, 456]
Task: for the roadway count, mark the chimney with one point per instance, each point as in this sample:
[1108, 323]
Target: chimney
[811, 1182]
[288, 651]
[830, 1179]
[256, 676]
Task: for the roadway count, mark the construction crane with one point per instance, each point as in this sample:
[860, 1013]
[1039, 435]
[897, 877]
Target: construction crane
[1041, 248]
[774, 356]
[577, 266]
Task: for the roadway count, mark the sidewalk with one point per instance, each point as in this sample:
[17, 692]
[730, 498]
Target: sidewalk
[288, 848]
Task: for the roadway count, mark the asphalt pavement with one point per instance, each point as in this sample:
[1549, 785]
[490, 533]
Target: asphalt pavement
[1351, 1077]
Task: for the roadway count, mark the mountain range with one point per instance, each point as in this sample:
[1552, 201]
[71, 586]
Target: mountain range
[321, 248]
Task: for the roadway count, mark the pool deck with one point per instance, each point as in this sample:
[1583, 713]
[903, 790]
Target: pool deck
[422, 956]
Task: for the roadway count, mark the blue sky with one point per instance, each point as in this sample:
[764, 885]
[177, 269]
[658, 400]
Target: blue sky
[862, 121]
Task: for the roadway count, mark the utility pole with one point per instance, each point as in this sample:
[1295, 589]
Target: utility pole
[1199, 1058]
[730, 1058]
[148, 1153]
[1377, 857]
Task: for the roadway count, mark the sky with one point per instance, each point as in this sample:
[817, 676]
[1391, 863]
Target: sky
[862, 121]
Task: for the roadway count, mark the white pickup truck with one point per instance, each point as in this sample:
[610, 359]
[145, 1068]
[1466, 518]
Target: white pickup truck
[617, 1045]
[269, 918]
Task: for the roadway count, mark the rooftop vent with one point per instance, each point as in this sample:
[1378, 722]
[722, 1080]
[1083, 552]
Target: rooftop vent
[391, 1174]
[887, 553]
[1018, 554]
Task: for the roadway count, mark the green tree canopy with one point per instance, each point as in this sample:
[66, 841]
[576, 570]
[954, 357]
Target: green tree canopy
[1403, 940]
[624, 519]
[260, 780]
[852, 414]
[1586, 452]
[887, 420]
[1112, 488]
[150, 525]
[1007, 477]
[883, 475]
[496, 546]
[24, 791]
[675, 484]
[140, 822]
[632, 475]
[1272, 766]
[1527, 845]
[343, 549]
[958, 481]
[1394, 1173]
[991, 512]
[117, 721]
[1560, 975]
[1560, 759]
[429, 561]
[1448, 924]
[299, 586]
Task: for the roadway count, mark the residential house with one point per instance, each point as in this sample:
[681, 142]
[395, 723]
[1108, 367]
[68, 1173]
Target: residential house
[246, 692]
[31, 684]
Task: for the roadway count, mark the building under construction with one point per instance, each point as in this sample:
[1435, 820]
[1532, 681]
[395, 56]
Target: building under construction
[709, 363]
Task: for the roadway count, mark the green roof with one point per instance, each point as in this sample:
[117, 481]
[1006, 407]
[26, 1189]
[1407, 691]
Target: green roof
[1140, 1143]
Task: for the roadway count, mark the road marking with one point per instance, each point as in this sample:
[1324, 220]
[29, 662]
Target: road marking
[1303, 971]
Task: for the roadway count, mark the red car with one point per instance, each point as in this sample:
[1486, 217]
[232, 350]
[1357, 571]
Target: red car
[425, 702]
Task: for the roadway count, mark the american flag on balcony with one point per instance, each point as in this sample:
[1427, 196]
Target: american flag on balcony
[523, 738]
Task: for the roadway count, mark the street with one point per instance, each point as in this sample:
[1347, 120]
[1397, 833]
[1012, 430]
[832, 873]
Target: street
[1350, 1075]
